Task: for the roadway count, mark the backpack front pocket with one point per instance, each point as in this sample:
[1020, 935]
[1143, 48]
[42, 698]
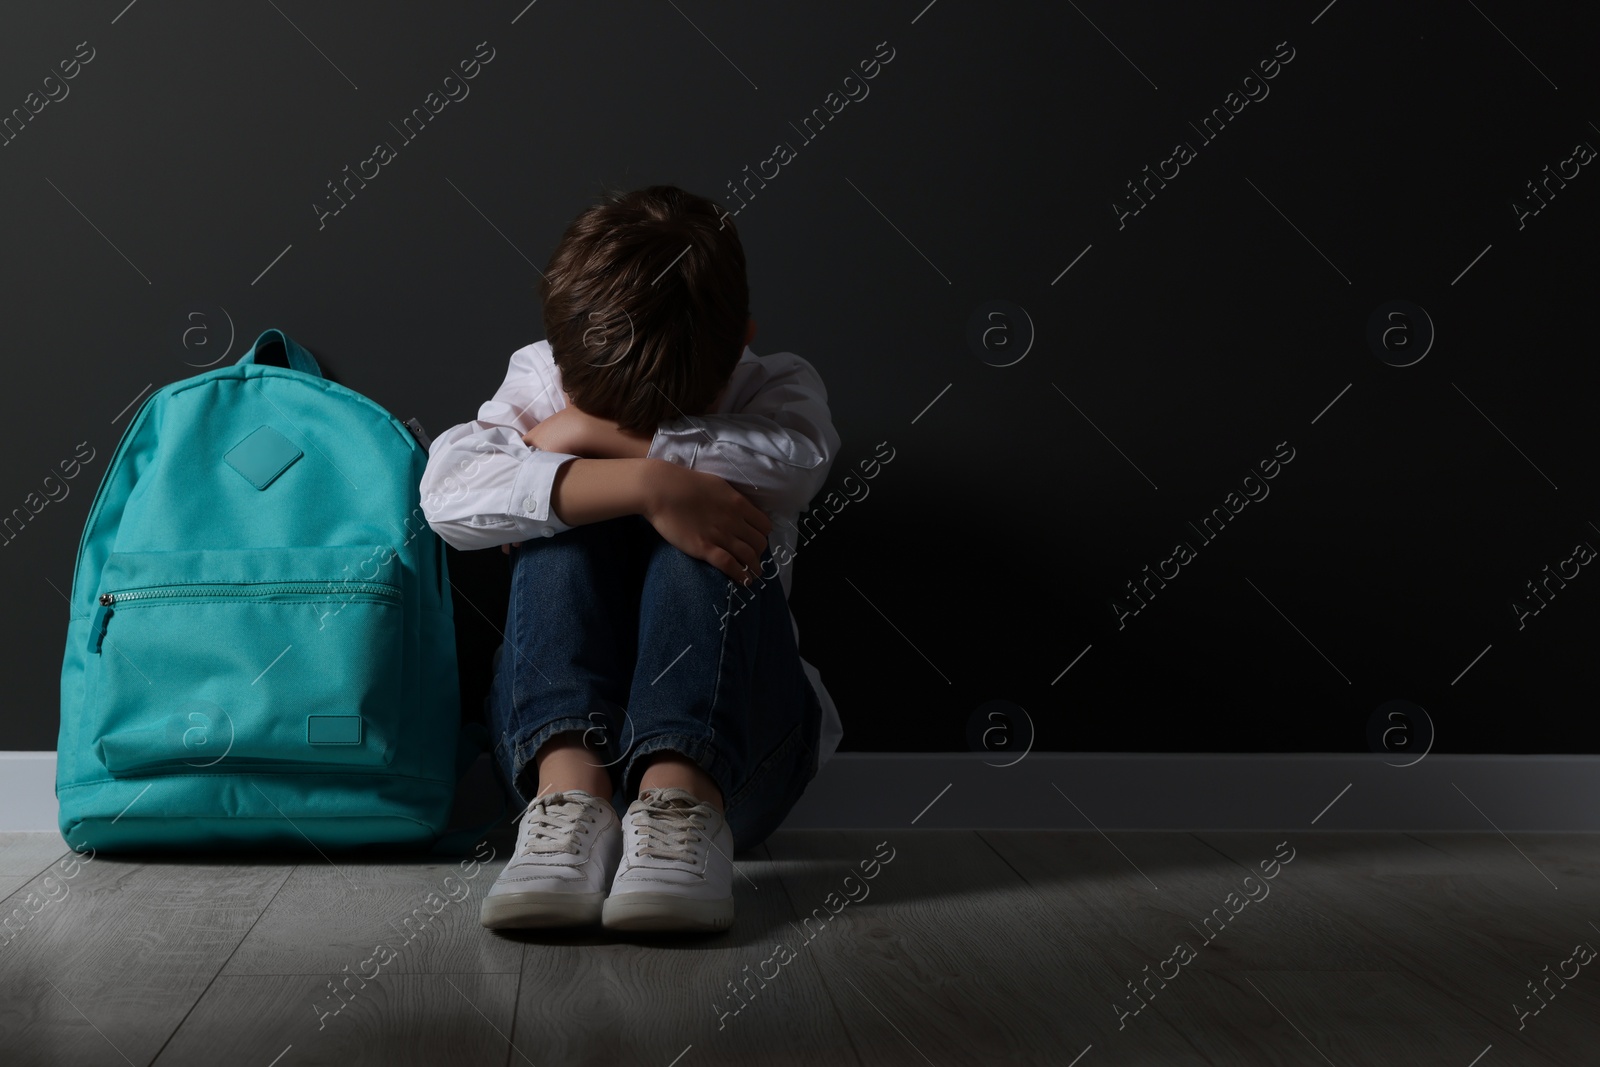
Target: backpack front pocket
[232, 660]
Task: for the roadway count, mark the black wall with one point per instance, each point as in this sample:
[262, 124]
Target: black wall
[176, 183]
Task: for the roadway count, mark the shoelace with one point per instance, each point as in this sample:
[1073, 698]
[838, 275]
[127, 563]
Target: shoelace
[670, 829]
[551, 824]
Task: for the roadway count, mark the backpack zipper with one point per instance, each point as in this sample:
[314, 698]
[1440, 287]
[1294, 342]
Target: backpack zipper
[108, 601]
[256, 589]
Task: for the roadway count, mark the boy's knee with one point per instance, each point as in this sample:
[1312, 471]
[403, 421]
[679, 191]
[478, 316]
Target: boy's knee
[674, 564]
[563, 553]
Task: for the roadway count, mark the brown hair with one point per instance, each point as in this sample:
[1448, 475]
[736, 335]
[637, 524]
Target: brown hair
[645, 306]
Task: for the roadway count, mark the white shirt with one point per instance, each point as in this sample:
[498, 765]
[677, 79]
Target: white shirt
[771, 437]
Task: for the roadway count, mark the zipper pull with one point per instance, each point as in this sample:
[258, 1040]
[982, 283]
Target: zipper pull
[98, 624]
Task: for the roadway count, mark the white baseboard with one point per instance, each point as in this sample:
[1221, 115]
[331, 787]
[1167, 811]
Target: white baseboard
[28, 791]
[1122, 791]
[1204, 791]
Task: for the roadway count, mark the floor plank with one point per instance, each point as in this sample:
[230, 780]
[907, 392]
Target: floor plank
[989, 946]
[1561, 872]
[394, 1020]
[9, 884]
[604, 999]
[1440, 921]
[105, 971]
[27, 854]
[331, 915]
[952, 955]
[1287, 1018]
[1141, 893]
[1544, 892]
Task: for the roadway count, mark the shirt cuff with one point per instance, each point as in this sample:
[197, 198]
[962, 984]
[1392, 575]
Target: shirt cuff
[531, 492]
[676, 441]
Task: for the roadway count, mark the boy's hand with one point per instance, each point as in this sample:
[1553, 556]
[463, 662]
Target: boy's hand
[703, 516]
[577, 433]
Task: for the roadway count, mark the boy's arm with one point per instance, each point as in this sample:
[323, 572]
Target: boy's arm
[775, 443]
[699, 514]
[483, 485]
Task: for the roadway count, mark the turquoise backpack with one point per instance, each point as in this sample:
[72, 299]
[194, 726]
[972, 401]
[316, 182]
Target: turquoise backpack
[261, 648]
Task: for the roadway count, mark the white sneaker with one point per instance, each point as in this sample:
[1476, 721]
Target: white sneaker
[567, 851]
[677, 866]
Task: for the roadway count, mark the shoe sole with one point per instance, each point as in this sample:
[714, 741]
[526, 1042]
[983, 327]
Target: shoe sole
[665, 911]
[532, 910]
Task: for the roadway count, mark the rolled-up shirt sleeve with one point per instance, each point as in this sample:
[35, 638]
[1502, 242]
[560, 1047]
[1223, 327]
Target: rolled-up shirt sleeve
[775, 441]
[483, 486]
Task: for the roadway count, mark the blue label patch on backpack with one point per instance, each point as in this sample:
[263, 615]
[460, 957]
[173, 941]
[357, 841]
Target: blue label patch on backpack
[333, 729]
[262, 456]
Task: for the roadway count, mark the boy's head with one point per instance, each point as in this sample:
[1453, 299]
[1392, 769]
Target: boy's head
[646, 306]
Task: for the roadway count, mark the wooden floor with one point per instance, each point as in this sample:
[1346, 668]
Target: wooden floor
[965, 947]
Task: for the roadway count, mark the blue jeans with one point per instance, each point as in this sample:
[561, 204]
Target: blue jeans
[613, 632]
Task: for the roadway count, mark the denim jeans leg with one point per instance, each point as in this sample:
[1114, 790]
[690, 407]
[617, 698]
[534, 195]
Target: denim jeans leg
[718, 679]
[567, 659]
